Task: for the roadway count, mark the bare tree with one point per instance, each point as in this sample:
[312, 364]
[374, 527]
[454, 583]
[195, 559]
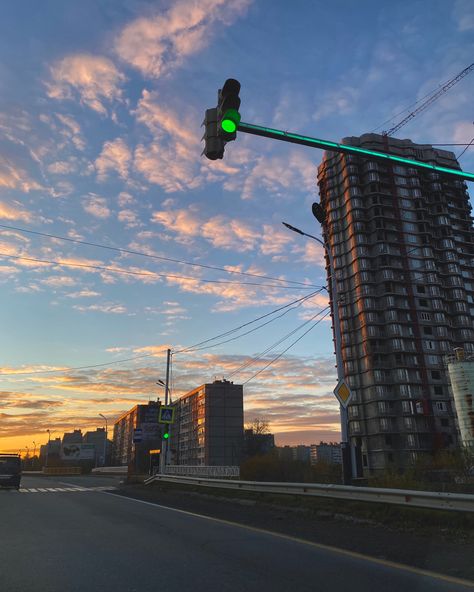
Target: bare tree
[259, 426]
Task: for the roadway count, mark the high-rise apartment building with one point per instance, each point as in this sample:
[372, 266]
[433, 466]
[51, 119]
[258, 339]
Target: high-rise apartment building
[403, 249]
[209, 428]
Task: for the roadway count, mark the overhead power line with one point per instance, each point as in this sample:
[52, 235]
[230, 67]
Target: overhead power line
[192, 347]
[152, 273]
[123, 360]
[255, 359]
[148, 255]
[289, 347]
[255, 328]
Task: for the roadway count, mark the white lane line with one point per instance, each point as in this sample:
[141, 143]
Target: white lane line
[353, 554]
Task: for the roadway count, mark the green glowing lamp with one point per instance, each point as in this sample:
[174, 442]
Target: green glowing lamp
[166, 435]
[230, 121]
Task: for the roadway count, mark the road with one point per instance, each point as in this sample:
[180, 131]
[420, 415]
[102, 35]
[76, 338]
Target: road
[68, 534]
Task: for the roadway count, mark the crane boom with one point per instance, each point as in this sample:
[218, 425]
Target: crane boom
[430, 100]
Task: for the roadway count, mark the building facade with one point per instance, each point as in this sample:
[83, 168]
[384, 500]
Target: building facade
[328, 453]
[257, 444]
[98, 438]
[461, 374]
[208, 429]
[124, 450]
[402, 243]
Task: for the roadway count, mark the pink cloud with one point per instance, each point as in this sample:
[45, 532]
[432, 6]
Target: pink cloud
[93, 79]
[14, 212]
[96, 206]
[158, 44]
[115, 156]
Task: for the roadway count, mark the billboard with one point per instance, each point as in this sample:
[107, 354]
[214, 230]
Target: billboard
[78, 452]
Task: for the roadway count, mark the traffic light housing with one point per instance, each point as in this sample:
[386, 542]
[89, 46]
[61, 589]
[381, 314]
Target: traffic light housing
[214, 144]
[166, 432]
[228, 116]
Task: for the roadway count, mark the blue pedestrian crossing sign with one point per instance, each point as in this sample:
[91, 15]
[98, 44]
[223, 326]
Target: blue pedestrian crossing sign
[166, 414]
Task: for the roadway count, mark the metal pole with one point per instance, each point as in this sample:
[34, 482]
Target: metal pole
[347, 460]
[164, 443]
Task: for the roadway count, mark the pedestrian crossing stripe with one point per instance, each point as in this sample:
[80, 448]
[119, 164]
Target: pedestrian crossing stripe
[62, 489]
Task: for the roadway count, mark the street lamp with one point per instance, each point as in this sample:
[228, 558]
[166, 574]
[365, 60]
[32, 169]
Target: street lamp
[106, 437]
[47, 449]
[348, 464]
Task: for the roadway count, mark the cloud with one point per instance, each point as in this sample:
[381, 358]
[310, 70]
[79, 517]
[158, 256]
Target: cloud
[108, 308]
[159, 44]
[14, 212]
[125, 199]
[94, 80]
[96, 206]
[62, 168]
[59, 281]
[14, 177]
[464, 15]
[83, 294]
[115, 156]
[129, 218]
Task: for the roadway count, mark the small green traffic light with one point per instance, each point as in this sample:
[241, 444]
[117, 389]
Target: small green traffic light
[230, 121]
[166, 435]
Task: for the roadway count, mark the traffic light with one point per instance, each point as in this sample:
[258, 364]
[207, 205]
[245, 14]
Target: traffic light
[166, 433]
[228, 116]
[214, 144]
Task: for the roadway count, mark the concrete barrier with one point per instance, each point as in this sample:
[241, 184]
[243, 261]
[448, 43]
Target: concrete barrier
[110, 470]
[62, 470]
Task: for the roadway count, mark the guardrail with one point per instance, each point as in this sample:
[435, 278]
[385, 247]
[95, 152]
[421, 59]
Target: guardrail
[202, 471]
[62, 470]
[110, 470]
[402, 497]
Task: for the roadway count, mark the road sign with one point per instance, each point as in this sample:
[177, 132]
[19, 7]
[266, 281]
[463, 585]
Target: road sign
[343, 393]
[137, 435]
[166, 414]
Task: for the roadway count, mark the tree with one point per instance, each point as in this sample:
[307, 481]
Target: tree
[259, 426]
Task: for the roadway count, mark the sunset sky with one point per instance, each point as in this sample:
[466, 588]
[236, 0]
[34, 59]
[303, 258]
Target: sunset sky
[101, 104]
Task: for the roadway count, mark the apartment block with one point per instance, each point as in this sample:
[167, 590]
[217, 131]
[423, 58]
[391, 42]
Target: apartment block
[209, 425]
[402, 243]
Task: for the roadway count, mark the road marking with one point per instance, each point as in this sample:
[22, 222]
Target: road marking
[65, 489]
[347, 553]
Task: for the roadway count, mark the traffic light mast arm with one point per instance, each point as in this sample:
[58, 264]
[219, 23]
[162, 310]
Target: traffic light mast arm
[275, 134]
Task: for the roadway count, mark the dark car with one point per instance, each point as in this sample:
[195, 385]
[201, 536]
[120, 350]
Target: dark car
[10, 470]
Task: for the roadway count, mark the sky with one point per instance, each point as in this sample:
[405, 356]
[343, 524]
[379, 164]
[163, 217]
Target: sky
[101, 105]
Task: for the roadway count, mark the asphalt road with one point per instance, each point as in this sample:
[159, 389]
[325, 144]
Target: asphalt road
[68, 534]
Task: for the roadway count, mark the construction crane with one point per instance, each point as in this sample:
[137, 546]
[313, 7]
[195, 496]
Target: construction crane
[430, 100]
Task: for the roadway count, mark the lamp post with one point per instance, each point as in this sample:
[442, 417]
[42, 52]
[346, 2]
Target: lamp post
[106, 437]
[348, 464]
[47, 449]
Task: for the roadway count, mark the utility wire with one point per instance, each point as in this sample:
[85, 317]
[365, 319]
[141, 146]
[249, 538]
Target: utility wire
[153, 273]
[143, 254]
[254, 329]
[191, 347]
[71, 368]
[467, 146]
[81, 367]
[285, 350]
[276, 344]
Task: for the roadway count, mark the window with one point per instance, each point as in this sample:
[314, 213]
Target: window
[441, 406]
[422, 302]
[438, 390]
[355, 426]
[445, 423]
[409, 423]
[384, 423]
[406, 407]
[411, 440]
[435, 375]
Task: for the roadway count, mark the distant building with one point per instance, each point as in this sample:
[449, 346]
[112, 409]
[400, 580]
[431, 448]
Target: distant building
[302, 453]
[98, 438]
[51, 451]
[209, 425]
[124, 451]
[74, 437]
[255, 444]
[328, 453]
[461, 375]
[285, 452]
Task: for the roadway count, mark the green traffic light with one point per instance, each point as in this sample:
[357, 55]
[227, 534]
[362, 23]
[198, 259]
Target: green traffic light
[228, 126]
[230, 121]
[166, 435]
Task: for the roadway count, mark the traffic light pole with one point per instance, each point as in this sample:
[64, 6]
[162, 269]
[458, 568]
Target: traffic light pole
[275, 134]
[164, 442]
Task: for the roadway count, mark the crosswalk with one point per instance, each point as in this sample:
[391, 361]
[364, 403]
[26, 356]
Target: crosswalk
[61, 489]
